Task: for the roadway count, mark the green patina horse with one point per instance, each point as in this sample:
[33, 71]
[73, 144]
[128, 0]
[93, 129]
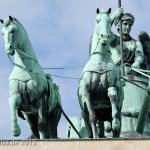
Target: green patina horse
[100, 89]
[32, 93]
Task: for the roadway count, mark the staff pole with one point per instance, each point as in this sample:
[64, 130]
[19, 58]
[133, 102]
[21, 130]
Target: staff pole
[121, 39]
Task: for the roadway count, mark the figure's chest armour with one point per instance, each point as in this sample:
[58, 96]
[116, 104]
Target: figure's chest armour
[129, 46]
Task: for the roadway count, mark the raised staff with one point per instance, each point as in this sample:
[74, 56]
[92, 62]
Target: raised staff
[124, 48]
[121, 40]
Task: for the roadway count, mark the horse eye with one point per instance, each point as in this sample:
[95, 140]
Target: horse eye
[125, 24]
[97, 21]
[12, 30]
[130, 25]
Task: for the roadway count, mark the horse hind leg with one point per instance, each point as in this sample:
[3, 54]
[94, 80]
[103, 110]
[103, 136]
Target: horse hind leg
[31, 121]
[112, 93]
[42, 108]
[14, 101]
[52, 121]
[100, 127]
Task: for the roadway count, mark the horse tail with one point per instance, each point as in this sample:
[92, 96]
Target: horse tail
[53, 119]
[53, 96]
[54, 108]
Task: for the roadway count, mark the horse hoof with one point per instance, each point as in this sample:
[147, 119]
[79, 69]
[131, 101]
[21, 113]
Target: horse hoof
[16, 130]
[116, 125]
[95, 137]
[107, 126]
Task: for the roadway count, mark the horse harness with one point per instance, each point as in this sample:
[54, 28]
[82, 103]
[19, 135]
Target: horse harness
[23, 68]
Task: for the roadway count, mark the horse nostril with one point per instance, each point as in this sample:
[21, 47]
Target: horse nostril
[103, 44]
[10, 46]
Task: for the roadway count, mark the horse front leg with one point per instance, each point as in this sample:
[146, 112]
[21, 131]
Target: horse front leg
[92, 115]
[112, 93]
[14, 101]
[42, 109]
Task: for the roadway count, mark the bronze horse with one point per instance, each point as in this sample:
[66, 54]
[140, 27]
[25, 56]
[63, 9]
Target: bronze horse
[32, 93]
[100, 89]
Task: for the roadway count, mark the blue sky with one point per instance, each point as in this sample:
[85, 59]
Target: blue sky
[60, 31]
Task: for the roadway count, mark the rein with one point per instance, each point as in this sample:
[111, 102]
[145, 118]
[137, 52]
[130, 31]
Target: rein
[101, 72]
[23, 53]
[96, 47]
[15, 64]
[140, 71]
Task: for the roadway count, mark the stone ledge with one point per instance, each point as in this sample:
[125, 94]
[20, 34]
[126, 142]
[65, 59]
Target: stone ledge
[72, 144]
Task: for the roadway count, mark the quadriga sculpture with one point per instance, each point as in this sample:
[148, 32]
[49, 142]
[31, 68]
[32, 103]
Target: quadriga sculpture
[32, 93]
[100, 89]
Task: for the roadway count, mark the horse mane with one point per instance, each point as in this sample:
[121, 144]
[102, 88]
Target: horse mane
[20, 25]
[24, 37]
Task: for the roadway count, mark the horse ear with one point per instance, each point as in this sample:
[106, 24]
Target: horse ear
[109, 10]
[97, 11]
[11, 18]
[2, 21]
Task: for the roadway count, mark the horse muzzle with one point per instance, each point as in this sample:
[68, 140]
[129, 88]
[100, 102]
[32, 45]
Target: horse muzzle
[9, 49]
[104, 44]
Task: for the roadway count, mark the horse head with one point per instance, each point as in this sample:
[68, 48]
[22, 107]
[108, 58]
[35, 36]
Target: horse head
[11, 33]
[103, 26]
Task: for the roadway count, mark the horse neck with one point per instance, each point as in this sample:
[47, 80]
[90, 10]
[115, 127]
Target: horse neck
[27, 49]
